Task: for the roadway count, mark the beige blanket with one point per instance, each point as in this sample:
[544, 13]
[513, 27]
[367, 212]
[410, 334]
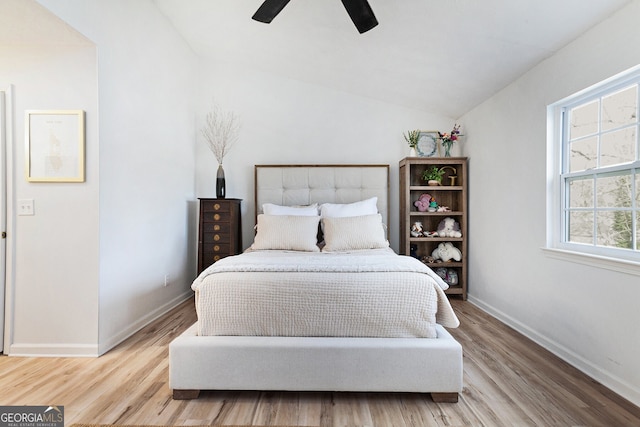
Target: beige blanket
[374, 293]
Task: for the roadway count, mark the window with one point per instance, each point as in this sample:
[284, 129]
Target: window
[595, 172]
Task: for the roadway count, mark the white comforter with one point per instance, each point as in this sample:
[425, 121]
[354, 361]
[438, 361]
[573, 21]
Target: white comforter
[372, 293]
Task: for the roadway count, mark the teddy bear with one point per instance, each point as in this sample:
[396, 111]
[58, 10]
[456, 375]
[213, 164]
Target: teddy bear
[449, 227]
[416, 229]
[446, 252]
[423, 202]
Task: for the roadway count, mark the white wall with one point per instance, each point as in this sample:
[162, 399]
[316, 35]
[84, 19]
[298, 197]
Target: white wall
[145, 83]
[587, 315]
[53, 273]
[90, 265]
[292, 122]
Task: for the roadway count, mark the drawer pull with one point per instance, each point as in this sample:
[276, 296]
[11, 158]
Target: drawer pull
[216, 217]
[216, 237]
[216, 227]
[216, 258]
[216, 248]
[216, 206]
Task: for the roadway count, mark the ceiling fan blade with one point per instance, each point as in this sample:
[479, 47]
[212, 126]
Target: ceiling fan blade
[361, 14]
[269, 10]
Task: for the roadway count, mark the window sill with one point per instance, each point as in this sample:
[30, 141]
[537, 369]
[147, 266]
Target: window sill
[614, 264]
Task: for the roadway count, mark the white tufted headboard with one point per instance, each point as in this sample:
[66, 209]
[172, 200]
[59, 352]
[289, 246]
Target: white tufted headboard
[290, 185]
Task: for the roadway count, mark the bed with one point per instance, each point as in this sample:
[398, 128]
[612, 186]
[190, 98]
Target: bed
[319, 302]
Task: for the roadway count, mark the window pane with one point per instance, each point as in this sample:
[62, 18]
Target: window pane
[637, 231]
[581, 193]
[637, 171]
[580, 227]
[614, 191]
[637, 209]
[614, 229]
[583, 154]
[618, 147]
[619, 109]
[584, 120]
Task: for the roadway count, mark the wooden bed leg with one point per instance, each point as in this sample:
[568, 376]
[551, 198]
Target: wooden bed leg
[444, 397]
[185, 394]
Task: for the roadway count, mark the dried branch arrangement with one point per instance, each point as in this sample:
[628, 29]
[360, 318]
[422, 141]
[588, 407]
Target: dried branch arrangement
[221, 131]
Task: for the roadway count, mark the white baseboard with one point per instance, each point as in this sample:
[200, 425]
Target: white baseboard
[614, 383]
[94, 350]
[53, 350]
[142, 322]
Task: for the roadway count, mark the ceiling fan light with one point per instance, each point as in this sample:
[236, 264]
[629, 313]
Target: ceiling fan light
[359, 11]
[269, 10]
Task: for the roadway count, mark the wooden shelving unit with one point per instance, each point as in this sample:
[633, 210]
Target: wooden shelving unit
[453, 194]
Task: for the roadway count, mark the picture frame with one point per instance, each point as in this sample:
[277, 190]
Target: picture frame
[55, 145]
[428, 143]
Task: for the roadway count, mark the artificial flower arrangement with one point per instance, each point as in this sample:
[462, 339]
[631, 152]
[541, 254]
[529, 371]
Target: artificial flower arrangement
[449, 138]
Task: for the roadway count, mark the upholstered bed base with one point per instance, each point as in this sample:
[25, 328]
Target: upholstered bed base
[420, 365]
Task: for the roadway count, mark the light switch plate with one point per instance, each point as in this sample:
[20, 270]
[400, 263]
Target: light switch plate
[25, 207]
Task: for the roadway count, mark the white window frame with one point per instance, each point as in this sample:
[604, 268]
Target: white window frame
[624, 260]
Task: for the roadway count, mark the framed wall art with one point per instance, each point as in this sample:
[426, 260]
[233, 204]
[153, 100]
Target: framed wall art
[54, 145]
[428, 143]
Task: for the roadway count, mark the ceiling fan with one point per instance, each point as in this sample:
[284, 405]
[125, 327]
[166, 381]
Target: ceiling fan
[359, 10]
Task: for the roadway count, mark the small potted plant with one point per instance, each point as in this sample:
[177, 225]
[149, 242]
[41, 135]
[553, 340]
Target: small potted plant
[433, 175]
[412, 138]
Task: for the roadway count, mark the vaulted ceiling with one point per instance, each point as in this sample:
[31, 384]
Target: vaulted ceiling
[441, 56]
[26, 23]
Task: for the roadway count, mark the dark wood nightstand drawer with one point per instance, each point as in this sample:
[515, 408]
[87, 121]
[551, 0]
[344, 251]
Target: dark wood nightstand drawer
[216, 227]
[216, 238]
[209, 258]
[216, 216]
[215, 248]
[216, 206]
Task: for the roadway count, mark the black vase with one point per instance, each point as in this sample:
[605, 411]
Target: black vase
[220, 183]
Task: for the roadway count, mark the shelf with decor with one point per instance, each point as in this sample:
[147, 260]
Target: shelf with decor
[423, 208]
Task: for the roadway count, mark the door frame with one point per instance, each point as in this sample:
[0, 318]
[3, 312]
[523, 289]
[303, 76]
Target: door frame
[6, 221]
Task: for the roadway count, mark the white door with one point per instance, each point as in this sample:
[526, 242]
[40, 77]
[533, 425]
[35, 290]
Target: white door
[3, 207]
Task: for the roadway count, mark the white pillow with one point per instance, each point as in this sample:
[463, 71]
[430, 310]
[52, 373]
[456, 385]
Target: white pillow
[287, 232]
[363, 207]
[271, 209]
[354, 232]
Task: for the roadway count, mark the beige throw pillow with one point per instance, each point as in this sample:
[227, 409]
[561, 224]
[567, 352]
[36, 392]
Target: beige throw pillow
[353, 233]
[286, 232]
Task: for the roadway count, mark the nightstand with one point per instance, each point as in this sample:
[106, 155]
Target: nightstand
[219, 230]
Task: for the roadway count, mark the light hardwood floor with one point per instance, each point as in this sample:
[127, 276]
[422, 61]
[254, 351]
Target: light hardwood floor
[508, 381]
